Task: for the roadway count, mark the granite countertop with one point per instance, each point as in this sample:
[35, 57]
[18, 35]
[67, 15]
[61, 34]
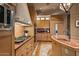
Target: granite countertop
[17, 45]
[63, 39]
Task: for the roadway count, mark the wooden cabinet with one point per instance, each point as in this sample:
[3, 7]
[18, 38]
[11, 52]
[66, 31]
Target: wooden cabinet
[21, 51]
[77, 52]
[56, 49]
[5, 43]
[67, 51]
[42, 23]
[43, 37]
[59, 49]
[26, 49]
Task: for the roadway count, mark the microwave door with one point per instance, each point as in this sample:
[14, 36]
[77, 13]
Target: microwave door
[8, 17]
[1, 15]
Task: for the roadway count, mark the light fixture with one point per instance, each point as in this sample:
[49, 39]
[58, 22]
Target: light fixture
[47, 18]
[42, 18]
[40, 8]
[65, 6]
[38, 18]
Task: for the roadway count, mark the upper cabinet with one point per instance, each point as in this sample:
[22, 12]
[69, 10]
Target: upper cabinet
[22, 14]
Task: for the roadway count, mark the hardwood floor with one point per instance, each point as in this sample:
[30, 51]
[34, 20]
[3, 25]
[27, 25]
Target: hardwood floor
[43, 49]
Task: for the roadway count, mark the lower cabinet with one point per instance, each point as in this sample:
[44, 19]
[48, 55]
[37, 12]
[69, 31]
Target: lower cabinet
[21, 51]
[26, 49]
[62, 50]
[77, 52]
[43, 36]
[68, 51]
[56, 49]
[6, 43]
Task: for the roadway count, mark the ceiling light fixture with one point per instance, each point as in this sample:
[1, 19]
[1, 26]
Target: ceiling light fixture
[65, 6]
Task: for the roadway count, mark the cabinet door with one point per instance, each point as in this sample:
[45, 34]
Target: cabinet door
[38, 36]
[21, 51]
[29, 47]
[5, 45]
[26, 49]
[56, 49]
[48, 37]
[67, 51]
[77, 52]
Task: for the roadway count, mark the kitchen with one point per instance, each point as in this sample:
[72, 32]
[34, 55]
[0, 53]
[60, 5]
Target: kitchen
[39, 29]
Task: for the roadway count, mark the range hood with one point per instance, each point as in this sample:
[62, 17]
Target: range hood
[22, 15]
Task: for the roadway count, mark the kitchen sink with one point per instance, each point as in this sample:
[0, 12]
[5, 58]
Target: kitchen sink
[20, 39]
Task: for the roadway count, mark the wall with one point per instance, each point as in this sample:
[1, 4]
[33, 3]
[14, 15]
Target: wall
[74, 16]
[30, 30]
[19, 30]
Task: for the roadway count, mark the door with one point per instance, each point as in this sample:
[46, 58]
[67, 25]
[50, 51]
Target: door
[59, 27]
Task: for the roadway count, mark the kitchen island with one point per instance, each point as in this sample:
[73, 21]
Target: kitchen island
[62, 46]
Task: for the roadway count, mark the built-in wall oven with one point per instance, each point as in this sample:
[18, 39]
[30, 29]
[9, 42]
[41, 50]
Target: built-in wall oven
[6, 18]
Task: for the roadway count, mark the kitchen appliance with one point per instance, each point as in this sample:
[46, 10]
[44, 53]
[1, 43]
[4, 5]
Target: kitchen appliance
[1, 15]
[26, 33]
[6, 18]
[41, 30]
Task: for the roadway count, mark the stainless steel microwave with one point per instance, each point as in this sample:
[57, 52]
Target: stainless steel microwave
[6, 18]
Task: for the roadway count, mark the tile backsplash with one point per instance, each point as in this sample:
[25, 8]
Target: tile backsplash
[19, 30]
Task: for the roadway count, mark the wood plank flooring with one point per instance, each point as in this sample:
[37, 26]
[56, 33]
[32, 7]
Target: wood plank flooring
[43, 49]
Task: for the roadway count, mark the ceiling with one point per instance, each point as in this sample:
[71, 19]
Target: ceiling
[47, 9]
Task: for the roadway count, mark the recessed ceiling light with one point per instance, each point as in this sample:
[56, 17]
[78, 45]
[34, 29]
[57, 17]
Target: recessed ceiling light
[47, 18]
[40, 8]
[42, 18]
[38, 18]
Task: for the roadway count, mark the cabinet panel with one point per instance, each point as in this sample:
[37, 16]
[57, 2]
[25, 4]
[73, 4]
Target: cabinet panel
[5, 45]
[26, 49]
[77, 52]
[43, 37]
[67, 51]
[21, 51]
[42, 23]
[56, 49]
